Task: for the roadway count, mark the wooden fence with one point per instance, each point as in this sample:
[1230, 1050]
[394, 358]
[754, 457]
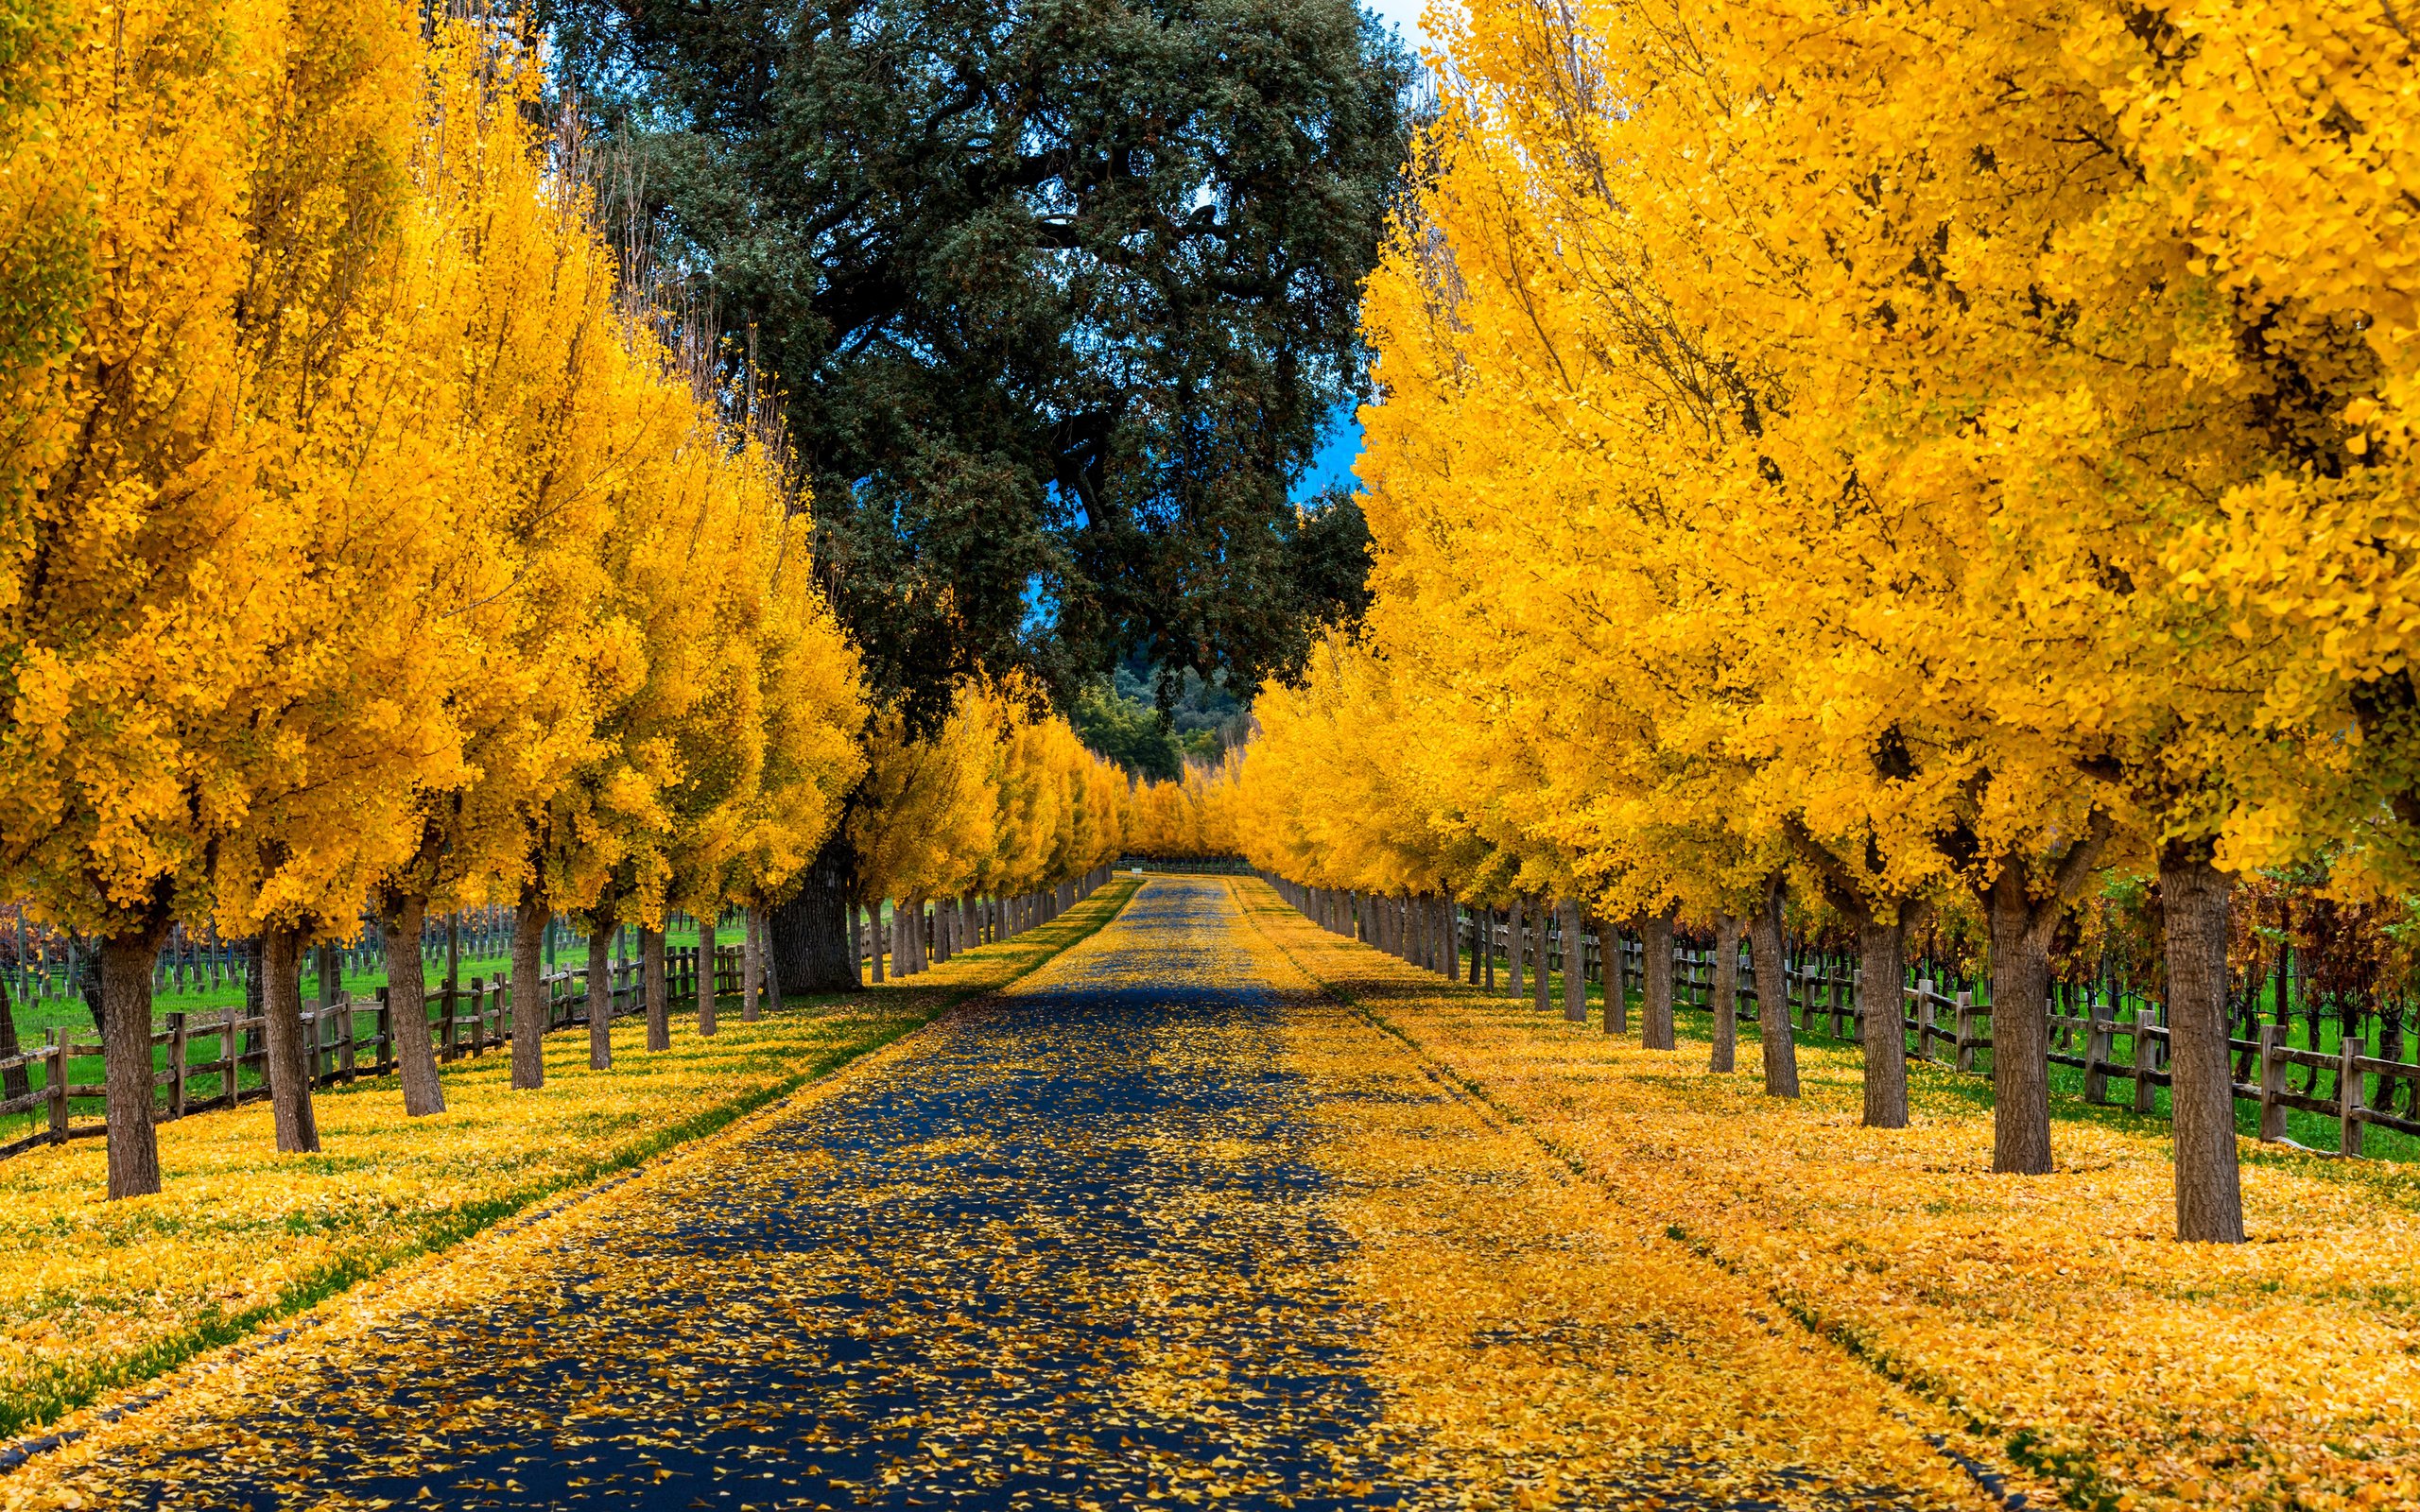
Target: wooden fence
[928, 931]
[201, 1058]
[2347, 1085]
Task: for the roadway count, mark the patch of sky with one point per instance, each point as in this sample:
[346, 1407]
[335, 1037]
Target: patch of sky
[1332, 464]
[1041, 607]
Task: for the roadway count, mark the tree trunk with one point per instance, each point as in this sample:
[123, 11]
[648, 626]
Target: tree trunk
[85, 968]
[2194, 896]
[874, 943]
[1655, 964]
[810, 936]
[706, 971]
[1609, 967]
[125, 1053]
[289, 1053]
[751, 965]
[600, 996]
[1541, 991]
[1724, 1056]
[404, 918]
[659, 996]
[1512, 953]
[2020, 936]
[1772, 992]
[530, 991]
[1883, 1015]
[17, 1083]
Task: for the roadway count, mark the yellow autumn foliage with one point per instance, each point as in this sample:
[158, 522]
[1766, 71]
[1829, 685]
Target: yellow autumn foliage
[366, 533]
[1001, 799]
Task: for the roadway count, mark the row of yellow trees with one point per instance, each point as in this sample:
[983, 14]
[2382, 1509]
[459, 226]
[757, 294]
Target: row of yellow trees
[1902, 452]
[375, 541]
[1000, 803]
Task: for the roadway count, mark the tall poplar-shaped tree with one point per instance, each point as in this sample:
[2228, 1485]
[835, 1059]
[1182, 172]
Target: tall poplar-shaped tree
[162, 564]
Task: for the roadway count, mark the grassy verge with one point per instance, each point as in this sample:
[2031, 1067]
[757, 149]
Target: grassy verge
[99, 1295]
[2053, 1315]
[2318, 1131]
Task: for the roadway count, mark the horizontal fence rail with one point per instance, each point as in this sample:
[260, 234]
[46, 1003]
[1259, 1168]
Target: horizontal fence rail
[207, 1053]
[218, 1058]
[2121, 1049]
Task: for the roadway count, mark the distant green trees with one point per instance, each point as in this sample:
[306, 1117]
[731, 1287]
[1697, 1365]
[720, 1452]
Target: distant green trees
[1121, 719]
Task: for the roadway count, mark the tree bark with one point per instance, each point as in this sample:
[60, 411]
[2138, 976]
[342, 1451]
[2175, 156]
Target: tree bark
[403, 918]
[1883, 1019]
[126, 1053]
[529, 990]
[810, 936]
[2021, 936]
[1609, 965]
[600, 996]
[1513, 963]
[1541, 949]
[1772, 992]
[706, 970]
[874, 943]
[289, 1053]
[1655, 963]
[659, 997]
[2194, 898]
[1724, 1056]
[752, 963]
[17, 1083]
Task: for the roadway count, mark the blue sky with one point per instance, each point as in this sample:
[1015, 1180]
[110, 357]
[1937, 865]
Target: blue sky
[1405, 14]
[1334, 461]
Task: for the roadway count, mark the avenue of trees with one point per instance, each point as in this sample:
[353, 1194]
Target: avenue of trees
[1919, 454]
[1061, 296]
[391, 525]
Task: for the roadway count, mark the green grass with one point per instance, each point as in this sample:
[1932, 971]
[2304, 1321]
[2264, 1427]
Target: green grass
[2316, 1131]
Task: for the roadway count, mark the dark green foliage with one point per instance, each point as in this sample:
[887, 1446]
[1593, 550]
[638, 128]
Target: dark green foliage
[1122, 718]
[1061, 294]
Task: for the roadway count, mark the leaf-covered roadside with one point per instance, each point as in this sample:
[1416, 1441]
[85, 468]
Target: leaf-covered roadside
[100, 1294]
[2053, 1313]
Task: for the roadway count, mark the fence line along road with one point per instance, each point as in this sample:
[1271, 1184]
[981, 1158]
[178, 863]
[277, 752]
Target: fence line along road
[2347, 1085]
[465, 1021]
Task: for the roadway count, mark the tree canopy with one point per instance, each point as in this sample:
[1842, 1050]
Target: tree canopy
[1060, 295]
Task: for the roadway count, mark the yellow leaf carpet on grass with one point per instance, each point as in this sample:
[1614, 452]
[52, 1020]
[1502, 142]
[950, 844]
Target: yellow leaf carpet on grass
[1539, 1342]
[98, 1293]
[2052, 1312]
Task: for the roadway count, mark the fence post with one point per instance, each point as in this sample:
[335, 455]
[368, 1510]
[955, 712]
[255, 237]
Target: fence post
[2147, 1057]
[176, 1065]
[2100, 1045]
[479, 1016]
[58, 1086]
[1924, 1017]
[1965, 1007]
[386, 1022]
[2273, 1082]
[2348, 1096]
[232, 1052]
[346, 1053]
